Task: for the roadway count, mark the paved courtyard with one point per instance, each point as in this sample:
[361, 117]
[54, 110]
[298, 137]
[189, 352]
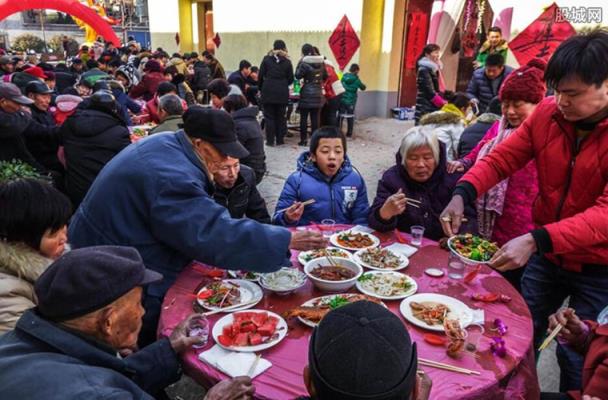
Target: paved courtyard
[372, 150]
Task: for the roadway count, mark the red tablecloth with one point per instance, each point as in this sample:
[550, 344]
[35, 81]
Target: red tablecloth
[512, 377]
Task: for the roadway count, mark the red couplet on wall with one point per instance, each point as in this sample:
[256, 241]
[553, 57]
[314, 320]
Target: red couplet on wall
[344, 42]
[416, 38]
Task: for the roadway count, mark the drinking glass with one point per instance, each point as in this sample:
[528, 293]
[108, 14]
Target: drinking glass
[475, 332]
[328, 226]
[199, 326]
[417, 232]
[455, 266]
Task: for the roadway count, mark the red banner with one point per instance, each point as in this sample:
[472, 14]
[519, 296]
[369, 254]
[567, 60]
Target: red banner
[344, 42]
[416, 38]
[541, 37]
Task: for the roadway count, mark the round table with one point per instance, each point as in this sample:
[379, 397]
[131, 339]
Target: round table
[511, 377]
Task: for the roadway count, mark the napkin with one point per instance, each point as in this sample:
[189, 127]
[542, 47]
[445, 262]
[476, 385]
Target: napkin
[233, 363]
[478, 317]
[362, 229]
[402, 248]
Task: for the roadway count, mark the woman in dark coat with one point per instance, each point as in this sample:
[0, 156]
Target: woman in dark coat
[249, 133]
[276, 74]
[427, 82]
[419, 174]
[311, 69]
[92, 136]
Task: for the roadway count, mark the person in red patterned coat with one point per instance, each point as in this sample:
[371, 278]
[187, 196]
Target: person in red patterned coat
[567, 138]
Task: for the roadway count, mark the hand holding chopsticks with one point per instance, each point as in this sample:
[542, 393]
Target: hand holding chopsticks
[303, 204]
[396, 204]
[569, 327]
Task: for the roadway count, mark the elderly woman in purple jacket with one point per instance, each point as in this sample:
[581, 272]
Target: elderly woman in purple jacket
[420, 174]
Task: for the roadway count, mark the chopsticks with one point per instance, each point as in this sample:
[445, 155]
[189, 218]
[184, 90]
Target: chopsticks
[305, 203]
[330, 258]
[254, 365]
[413, 202]
[447, 367]
[206, 314]
[550, 338]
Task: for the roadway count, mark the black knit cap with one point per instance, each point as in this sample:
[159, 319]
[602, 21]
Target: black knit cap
[362, 351]
[88, 279]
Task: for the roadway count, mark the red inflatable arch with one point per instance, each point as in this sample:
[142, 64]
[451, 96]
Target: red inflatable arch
[71, 7]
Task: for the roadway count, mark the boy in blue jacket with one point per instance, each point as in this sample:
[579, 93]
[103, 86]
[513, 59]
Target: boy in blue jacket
[326, 175]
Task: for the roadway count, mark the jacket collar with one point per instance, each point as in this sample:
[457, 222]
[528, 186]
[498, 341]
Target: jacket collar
[569, 127]
[20, 260]
[67, 343]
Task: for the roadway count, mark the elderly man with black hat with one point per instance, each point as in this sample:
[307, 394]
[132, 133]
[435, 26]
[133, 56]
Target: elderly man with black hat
[80, 341]
[157, 195]
[362, 351]
[17, 126]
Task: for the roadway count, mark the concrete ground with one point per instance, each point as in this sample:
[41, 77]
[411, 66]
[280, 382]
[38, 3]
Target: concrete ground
[371, 150]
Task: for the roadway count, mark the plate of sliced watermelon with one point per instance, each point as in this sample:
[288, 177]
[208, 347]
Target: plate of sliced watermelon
[249, 331]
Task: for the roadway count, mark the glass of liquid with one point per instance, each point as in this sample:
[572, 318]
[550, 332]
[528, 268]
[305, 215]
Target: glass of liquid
[417, 232]
[199, 326]
[328, 226]
[455, 267]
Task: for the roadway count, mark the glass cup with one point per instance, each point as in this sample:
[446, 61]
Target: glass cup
[455, 266]
[328, 226]
[417, 232]
[475, 332]
[199, 326]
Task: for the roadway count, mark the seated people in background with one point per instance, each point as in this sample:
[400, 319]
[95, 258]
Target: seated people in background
[151, 107]
[473, 133]
[239, 78]
[66, 105]
[326, 175]
[505, 211]
[249, 133]
[589, 339]
[253, 89]
[179, 80]
[173, 219]
[80, 342]
[486, 82]
[148, 85]
[363, 351]
[218, 89]
[235, 189]
[44, 151]
[170, 111]
[33, 233]
[449, 122]
[419, 174]
[92, 136]
[494, 45]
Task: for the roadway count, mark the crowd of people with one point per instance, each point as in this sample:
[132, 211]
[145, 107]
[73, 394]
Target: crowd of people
[94, 229]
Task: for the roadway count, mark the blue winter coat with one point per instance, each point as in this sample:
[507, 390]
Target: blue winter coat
[481, 88]
[40, 360]
[343, 198]
[155, 196]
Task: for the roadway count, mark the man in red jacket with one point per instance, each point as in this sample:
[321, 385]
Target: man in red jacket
[567, 136]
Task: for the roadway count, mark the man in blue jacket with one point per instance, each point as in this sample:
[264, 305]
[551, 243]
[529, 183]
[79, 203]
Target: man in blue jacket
[486, 81]
[157, 196]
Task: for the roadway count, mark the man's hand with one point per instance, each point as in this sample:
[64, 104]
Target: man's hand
[294, 213]
[587, 397]
[575, 331]
[307, 240]
[423, 385]
[515, 254]
[393, 206]
[239, 388]
[455, 166]
[452, 216]
[180, 341]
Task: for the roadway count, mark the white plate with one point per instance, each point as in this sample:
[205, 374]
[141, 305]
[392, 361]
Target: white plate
[228, 319]
[404, 261]
[398, 275]
[458, 310]
[334, 240]
[250, 292]
[312, 302]
[303, 254]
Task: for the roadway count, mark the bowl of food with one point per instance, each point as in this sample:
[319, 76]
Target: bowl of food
[284, 281]
[472, 249]
[333, 274]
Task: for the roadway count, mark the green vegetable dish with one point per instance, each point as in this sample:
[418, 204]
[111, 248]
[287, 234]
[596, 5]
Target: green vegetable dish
[473, 247]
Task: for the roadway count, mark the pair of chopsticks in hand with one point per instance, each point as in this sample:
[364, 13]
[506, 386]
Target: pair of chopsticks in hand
[551, 336]
[304, 203]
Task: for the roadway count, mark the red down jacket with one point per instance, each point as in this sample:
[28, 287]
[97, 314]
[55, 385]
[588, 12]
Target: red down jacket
[572, 205]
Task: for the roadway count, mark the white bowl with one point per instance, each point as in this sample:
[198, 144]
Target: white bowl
[284, 281]
[333, 286]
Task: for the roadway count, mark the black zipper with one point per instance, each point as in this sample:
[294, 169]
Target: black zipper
[575, 149]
